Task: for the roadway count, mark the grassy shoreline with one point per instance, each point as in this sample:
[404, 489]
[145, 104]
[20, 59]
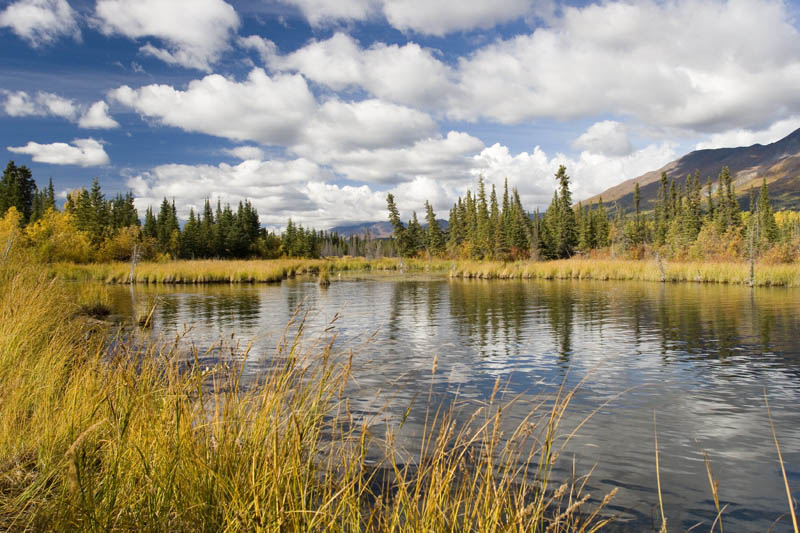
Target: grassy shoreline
[270, 271]
[132, 436]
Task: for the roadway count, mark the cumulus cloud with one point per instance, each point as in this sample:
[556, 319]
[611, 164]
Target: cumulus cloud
[436, 158]
[445, 16]
[97, 117]
[606, 138]
[533, 173]
[319, 12]
[745, 137]
[408, 74]
[269, 110]
[246, 152]
[41, 22]
[81, 152]
[44, 104]
[421, 16]
[338, 127]
[21, 104]
[281, 111]
[274, 187]
[194, 32]
[678, 64]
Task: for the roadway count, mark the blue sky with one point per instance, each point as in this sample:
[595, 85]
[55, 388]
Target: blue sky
[316, 109]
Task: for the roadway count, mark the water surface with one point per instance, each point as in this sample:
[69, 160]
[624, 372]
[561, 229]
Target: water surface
[698, 356]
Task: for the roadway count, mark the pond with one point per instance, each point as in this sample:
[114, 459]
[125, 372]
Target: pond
[698, 357]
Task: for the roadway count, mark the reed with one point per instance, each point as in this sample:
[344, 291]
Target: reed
[136, 434]
[268, 271]
[785, 275]
[231, 271]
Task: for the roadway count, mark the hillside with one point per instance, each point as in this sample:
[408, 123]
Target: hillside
[376, 230]
[779, 162]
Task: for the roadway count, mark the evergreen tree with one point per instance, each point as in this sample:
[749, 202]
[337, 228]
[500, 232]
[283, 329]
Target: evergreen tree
[416, 235]
[561, 218]
[17, 189]
[401, 235]
[435, 236]
[766, 219]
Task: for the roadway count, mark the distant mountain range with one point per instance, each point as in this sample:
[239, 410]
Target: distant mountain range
[779, 162]
[376, 230]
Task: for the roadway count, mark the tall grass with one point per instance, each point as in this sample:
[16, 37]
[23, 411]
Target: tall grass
[785, 275]
[266, 271]
[233, 271]
[138, 435]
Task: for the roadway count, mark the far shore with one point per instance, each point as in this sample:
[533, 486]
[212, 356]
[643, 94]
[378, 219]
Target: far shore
[276, 270]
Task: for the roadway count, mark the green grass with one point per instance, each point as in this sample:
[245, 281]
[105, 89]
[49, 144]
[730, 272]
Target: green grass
[145, 438]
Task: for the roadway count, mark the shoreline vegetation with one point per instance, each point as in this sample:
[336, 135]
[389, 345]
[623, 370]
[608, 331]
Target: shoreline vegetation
[276, 270]
[137, 434]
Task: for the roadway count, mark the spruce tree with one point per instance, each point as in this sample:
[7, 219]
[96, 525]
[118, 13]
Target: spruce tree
[766, 219]
[17, 189]
[435, 236]
[401, 236]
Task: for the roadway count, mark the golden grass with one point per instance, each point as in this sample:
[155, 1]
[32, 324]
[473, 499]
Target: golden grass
[787, 275]
[267, 271]
[138, 435]
[233, 271]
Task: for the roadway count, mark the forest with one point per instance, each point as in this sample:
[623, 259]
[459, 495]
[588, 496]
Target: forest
[682, 225]
[92, 228]
[687, 222]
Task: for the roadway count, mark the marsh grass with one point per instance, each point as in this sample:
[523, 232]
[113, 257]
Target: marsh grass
[267, 271]
[784, 275]
[145, 435]
[229, 271]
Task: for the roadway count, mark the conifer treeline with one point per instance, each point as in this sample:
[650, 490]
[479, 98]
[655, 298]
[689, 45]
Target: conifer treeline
[93, 228]
[681, 225]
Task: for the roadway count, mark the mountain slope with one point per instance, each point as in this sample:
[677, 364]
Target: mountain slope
[779, 162]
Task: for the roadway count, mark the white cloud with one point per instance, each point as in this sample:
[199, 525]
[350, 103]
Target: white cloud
[41, 22]
[82, 152]
[369, 124]
[281, 111]
[606, 138]
[274, 187]
[246, 153]
[44, 104]
[21, 104]
[422, 16]
[195, 32]
[745, 137]
[444, 16]
[319, 12]
[680, 64]
[269, 110]
[408, 74]
[97, 117]
[437, 158]
[533, 173]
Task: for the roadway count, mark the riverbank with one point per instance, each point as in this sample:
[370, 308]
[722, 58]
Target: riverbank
[268, 271]
[131, 435]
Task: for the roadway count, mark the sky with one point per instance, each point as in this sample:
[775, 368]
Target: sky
[316, 109]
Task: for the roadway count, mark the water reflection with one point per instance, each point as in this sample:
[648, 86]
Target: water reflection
[698, 355]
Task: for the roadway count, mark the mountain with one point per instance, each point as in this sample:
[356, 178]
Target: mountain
[376, 230]
[779, 162]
